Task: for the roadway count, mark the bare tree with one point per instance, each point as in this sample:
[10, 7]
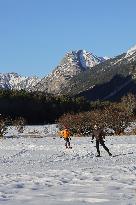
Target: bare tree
[117, 118]
[129, 103]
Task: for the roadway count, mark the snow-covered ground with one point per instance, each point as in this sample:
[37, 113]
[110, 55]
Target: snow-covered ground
[37, 171]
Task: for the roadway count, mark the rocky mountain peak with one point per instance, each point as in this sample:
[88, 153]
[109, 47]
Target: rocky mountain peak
[72, 64]
[82, 58]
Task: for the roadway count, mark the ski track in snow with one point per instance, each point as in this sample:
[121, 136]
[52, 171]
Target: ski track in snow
[37, 171]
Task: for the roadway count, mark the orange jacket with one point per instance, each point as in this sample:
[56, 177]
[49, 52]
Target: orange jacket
[65, 133]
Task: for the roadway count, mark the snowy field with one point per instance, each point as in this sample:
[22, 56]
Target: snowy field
[38, 171]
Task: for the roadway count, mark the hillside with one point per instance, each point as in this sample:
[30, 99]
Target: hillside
[106, 79]
[71, 65]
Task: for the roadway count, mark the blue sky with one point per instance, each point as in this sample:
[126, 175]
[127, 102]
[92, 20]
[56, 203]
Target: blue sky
[35, 34]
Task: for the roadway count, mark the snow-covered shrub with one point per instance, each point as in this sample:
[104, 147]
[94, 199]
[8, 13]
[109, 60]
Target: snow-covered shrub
[3, 126]
[19, 123]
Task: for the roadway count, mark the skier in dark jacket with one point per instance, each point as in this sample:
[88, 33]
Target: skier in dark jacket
[99, 135]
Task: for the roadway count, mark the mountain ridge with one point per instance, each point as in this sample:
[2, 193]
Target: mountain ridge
[14, 81]
[73, 63]
[123, 65]
[78, 72]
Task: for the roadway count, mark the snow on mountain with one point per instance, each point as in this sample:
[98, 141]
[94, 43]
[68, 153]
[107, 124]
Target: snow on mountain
[131, 54]
[13, 81]
[72, 64]
[125, 58]
[82, 59]
[87, 59]
[131, 51]
[106, 58]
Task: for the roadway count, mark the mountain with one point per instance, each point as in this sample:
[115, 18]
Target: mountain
[13, 81]
[80, 73]
[72, 64]
[116, 76]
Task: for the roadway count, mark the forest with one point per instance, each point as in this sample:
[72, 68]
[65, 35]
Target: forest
[38, 107]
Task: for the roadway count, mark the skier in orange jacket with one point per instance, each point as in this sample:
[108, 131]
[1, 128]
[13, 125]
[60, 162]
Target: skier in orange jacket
[66, 135]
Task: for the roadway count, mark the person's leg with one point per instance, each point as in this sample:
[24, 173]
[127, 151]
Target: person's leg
[97, 147]
[69, 144]
[66, 143]
[104, 146]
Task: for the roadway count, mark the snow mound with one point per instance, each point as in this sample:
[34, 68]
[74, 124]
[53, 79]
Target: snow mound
[33, 131]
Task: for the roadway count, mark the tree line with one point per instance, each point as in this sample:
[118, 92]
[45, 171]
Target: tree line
[115, 116]
[77, 114]
[38, 107]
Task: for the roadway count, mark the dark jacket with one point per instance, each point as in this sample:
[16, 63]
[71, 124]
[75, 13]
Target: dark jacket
[99, 134]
